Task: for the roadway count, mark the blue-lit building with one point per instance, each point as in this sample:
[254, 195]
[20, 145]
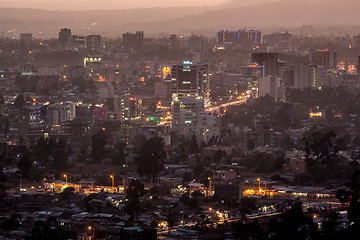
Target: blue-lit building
[241, 38]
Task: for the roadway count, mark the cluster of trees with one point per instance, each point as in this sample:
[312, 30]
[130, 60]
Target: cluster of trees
[99, 151]
[50, 229]
[84, 84]
[337, 100]
[59, 151]
[134, 192]
[322, 159]
[279, 113]
[263, 162]
[150, 157]
[293, 224]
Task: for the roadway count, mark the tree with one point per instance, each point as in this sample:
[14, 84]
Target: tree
[24, 165]
[11, 223]
[171, 218]
[98, 142]
[119, 153]
[248, 205]
[218, 156]
[251, 144]
[19, 101]
[295, 224]
[51, 230]
[193, 145]
[150, 157]
[134, 192]
[352, 196]
[61, 159]
[67, 193]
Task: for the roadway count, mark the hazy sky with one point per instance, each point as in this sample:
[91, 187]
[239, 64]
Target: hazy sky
[112, 4]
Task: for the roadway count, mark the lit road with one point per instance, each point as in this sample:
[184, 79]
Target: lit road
[225, 105]
[160, 232]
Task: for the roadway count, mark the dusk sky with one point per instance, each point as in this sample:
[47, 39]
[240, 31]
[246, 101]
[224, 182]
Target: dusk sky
[111, 4]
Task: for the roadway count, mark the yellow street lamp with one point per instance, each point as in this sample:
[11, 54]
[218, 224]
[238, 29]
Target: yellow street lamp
[65, 176]
[92, 232]
[112, 178]
[259, 184]
[209, 178]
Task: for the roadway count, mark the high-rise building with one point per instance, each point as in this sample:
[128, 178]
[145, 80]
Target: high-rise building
[189, 117]
[302, 76]
[130, 108]
[317, 76]
[241, 38]
[103, 74]
[269, 85]
[93, 42]
[268, 60]
[57, 114]
[64, 37]
[358, 65]
[190, 80]
[77, 43]
[325, 58]
[134, 41]
[253, 71]
[288, 76]
[30, 118]
[185, 113]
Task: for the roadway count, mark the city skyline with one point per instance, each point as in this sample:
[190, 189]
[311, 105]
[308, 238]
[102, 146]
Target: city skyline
[219, 119]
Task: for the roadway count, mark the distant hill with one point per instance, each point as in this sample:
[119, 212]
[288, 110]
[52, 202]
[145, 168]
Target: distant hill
[285, 14]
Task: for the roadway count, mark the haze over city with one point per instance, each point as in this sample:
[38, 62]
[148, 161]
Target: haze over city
[217, 119]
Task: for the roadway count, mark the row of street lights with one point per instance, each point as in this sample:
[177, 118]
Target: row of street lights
[111, 177]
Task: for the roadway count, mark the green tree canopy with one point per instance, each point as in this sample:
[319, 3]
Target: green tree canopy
[150, 157]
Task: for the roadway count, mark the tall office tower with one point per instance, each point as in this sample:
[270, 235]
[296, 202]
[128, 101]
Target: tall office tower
[78, 42]
[325, 58]
[58, 114]
[358, 65]
[241, 38]
[64, 37]
[93, 42]
[185, 113]
[25, 38]
[302, 76]
[30, 118]
[130, 108]
[269, 85]
[317, 76]
[190, 81]
[289, 76]
[134, 41]
[268, 60]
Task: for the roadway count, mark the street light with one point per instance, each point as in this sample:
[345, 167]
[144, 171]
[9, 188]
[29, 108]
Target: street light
[259, 184]
[65, 176]
[112, 178]
[209, 178]
[92, 232]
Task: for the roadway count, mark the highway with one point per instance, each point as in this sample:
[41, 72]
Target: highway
[225, 105]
